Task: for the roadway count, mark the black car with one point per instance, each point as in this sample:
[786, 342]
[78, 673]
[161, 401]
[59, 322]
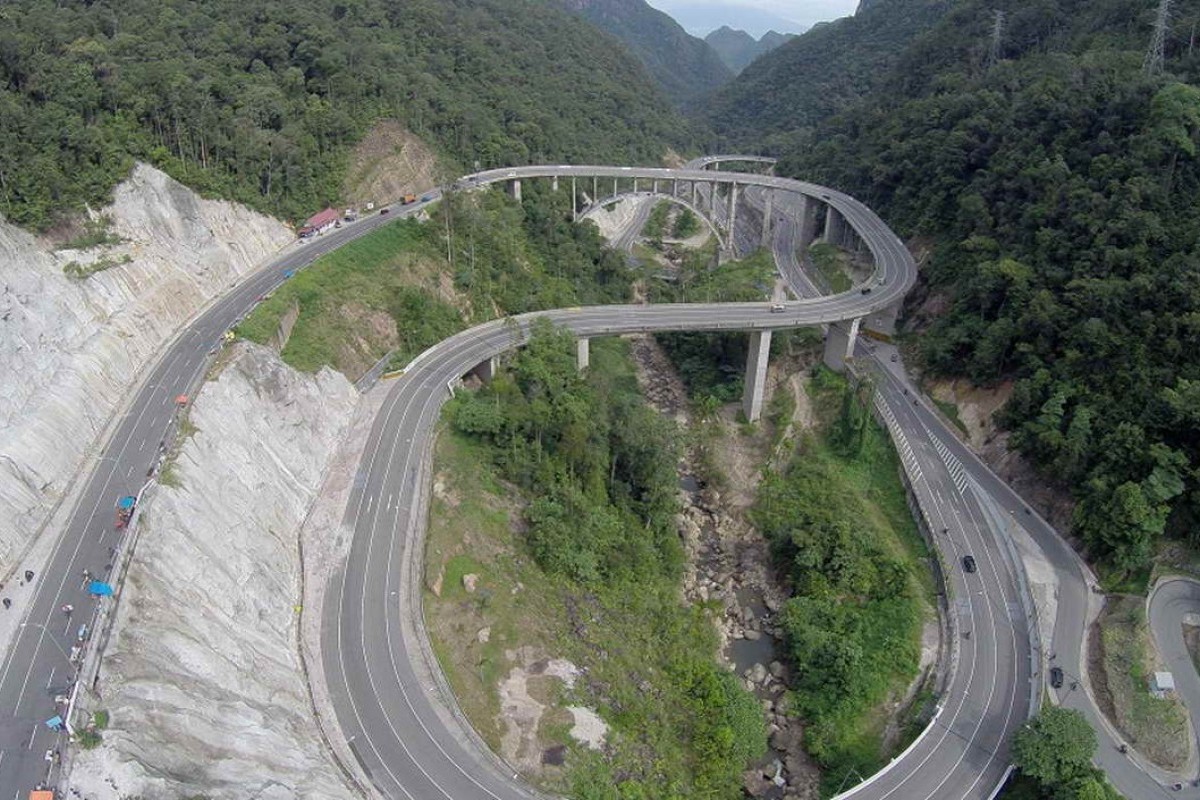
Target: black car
[1056, 677]
[969, 563]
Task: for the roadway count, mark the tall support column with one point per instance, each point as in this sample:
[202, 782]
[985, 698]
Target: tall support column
[839, 343]
[583, 354]
[635, 185]
[884, 320]
[655, 186]
[733, 198]
[614, 187]
[807, 222]
[766, 219]
[595, 189]
[833, 225]
[574, 200]
[694, 193]
[554, 184]
[675, 187]
[515, 188]
[756, 375]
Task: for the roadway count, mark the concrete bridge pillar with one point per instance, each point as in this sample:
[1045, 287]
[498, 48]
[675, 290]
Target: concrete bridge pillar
[839, 343]
[574, 200]
[595, 188]
[515, 188]
[485, 370]
[884, 320]
[583, 354]
[766, 220]
[833, 225]
[807, 223]
[733, 198]
[756, 375]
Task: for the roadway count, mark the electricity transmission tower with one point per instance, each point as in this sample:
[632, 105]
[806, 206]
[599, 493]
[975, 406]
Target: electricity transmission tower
[1155, 54]
[997, 37]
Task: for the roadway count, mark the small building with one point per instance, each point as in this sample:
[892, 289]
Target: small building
[1162, 683]
[320, 222]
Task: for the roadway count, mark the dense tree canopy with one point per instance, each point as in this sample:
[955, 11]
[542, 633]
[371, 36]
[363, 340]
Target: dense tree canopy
[1055, 750]
[1057, 184]
[259, 100]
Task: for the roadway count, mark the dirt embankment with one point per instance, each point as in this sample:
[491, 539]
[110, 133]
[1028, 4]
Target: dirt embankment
[976, 409]
[387, 164]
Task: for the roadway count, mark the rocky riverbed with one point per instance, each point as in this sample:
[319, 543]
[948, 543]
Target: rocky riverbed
[728, 563]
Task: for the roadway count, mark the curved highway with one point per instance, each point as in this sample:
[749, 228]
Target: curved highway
[391, 700]
[384, 681]
[36, 667]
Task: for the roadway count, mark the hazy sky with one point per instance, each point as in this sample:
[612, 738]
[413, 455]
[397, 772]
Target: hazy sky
[753, 16]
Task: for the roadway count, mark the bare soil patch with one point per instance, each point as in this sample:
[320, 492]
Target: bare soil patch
[387, 164]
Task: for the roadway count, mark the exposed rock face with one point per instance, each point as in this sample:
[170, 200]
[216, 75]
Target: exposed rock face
[69, 346]
[202, 678]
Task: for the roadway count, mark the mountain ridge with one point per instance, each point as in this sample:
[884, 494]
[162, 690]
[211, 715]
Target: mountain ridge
[683, 66]
[738, 49]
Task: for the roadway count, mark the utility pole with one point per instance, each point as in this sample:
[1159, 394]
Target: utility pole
[1156, 54]
[997, 37]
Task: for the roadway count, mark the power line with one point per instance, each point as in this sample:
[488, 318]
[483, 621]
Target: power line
[994, 51]
[1156, 53]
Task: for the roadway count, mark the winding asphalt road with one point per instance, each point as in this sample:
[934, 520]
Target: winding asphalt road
[383, 679]
[37, 667]
[390, 697]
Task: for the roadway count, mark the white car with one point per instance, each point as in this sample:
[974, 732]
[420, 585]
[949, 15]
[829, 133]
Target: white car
[777, 307]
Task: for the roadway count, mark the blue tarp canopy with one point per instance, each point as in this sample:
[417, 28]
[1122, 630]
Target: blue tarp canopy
[55, 723]
[100, 588]
[126, 502]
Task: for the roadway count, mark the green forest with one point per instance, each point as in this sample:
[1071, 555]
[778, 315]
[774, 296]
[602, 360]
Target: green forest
[597, 466]
[1052, 176]
[260, 101]
[839, 525]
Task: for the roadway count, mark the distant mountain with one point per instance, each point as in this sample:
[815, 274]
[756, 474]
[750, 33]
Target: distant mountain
[738, 48]
[684, 66]
[819, 72]
[698, 17]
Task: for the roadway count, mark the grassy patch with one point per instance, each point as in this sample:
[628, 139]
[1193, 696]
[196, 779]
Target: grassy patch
[950, 411]
[360, 301]
[1156, 727]
[830, 263]
[79, 271]
[96, 233]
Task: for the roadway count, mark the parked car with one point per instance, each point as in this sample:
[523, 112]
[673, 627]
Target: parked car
[969, 563]
[384, 210]
[1056, 677]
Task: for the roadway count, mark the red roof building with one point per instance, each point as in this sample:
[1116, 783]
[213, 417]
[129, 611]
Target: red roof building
[323, 220]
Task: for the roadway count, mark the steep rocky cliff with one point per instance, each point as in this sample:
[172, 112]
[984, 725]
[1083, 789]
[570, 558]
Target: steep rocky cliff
[202, 678]
[71, 346]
